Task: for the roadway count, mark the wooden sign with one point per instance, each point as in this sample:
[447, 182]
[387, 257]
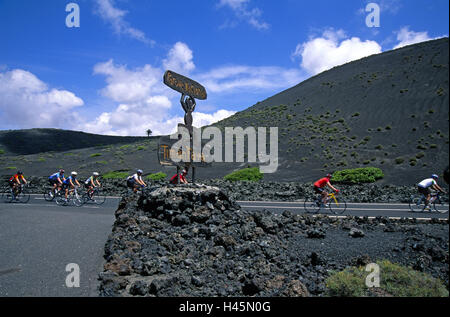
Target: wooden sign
[184, 85]
[166, 153]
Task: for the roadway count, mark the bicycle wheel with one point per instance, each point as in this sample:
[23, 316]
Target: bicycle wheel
[49, 196]
[337, 206]
[7, 195]
[61, 200]
[76, 199]
[311, 205]
[440, 207]
[23, 196]
[417, 204]
[99, 198]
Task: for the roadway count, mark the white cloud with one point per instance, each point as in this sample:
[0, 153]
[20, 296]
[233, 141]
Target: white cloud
[126, 85]
[242, 12]
[228, 79]
[27, 102]
[115, 17]
[204, 119]
[179, 59]
[407, 37]
[332, 49]
[143, 100]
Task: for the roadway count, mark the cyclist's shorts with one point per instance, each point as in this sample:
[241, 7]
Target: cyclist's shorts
[318, 190]
[131, 183]
[52, 181]
[87, 185]
[65, 186]
[425, 191]
[11, 183]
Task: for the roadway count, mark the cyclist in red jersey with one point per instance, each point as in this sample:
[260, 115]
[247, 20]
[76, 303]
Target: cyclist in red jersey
[319, 187]
[183, 179]
[16, 181]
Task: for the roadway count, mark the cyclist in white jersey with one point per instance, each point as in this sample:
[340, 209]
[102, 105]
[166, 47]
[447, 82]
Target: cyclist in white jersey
[425, 186]
[135, 181]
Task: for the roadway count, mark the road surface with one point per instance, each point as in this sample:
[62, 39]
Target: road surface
[39, 239]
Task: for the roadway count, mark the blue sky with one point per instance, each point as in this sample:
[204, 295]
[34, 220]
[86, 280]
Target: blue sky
[106, 75]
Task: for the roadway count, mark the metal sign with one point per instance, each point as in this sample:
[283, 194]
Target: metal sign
[184, 85]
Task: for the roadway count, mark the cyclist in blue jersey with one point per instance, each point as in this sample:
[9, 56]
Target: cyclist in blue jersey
[70, 182]
[56, 180]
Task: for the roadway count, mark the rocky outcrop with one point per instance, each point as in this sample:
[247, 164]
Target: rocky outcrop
[194, 240]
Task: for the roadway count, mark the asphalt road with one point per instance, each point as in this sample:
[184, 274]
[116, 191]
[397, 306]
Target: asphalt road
[38, 240]
[391, 210]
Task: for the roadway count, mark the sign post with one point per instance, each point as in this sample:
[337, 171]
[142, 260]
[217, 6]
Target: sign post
[189, 90]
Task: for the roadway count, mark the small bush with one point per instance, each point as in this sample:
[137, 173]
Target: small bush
[421, 147]
[395, 280]
[140, 148]
[356, 114]
[379, 147]
[2, 152]
[358, 175]
[95, 155]
[433, 146]
[115, 175]
[246, 174]
[11, 168]
[102, 162]
[156, 176]
[420, 155]
[399, 160]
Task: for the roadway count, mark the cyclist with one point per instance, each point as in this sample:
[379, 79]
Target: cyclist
[91, 183]
[70, 182]
[135, 181]
[424, 188]
[183, 180]
[319, 188]
[16, 180]
[56, 180]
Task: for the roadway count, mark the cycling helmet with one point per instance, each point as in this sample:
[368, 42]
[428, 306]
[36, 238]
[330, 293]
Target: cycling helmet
[184, 172]
[139, 172]
[434, 176]
[19, 173]
[329, 176]
[61, 171]
[74, 173]
[95, 174]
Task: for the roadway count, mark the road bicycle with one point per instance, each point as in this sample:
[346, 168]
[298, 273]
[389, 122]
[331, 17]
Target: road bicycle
[335, 204]
[19, 194]
[417, 203]
[51, 194]
[72, 198]
[95, 196]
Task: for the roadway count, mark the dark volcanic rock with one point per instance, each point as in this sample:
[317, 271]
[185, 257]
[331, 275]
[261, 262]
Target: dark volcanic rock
[193, 240]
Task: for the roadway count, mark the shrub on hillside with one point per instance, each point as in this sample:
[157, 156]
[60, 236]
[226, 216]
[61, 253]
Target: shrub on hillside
[246, 174]
[95, 155]
[358, 175]
[395, 280]
[156, 176]
[115, 175]
[2, 151]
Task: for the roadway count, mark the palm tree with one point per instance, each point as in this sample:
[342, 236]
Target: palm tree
[149, 132]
